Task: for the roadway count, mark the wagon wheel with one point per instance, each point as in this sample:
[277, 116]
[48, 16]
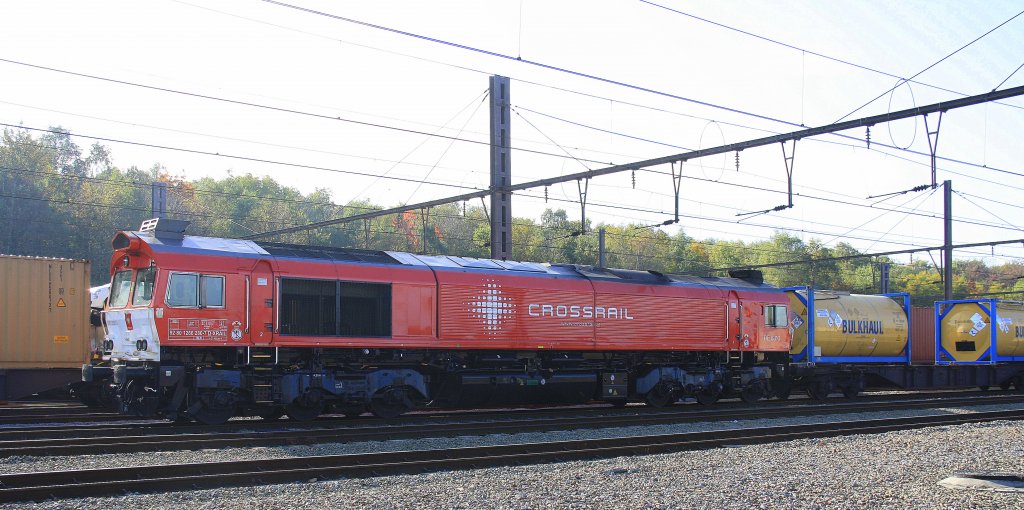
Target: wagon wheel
[1018, 383]
[850, 391]
[86, 393]
[391, 402]
[819, 390]
[781, 389]
[215, 408]
[661, 395]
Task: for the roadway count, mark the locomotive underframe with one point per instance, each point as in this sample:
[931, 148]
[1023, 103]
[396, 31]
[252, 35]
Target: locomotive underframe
[213, 384]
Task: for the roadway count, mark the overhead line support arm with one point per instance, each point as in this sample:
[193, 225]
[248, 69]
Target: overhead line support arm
[711, 151]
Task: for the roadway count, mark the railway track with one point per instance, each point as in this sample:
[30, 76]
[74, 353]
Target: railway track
[97, 482]
[53, 442]
[51, 414]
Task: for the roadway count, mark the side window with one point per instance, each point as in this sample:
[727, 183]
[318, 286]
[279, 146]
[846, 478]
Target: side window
[212, 294]
[120, 288]
[190, 290]
[182, 290]
[144, 281]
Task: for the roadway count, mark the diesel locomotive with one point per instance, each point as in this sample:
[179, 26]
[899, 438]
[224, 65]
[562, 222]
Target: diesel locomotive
[209, 328]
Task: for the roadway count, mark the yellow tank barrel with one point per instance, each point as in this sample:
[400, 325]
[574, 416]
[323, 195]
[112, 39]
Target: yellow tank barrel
[968, 329]
[867, 327]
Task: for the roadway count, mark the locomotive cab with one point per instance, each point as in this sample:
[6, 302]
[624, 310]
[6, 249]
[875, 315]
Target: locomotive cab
[130, 316]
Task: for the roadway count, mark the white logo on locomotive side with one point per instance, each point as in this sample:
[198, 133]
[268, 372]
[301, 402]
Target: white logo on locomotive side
[578, 311]
[492, 308]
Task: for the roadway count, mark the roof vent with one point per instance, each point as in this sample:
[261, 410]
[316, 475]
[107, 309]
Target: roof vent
[748, 275]
[163, 228]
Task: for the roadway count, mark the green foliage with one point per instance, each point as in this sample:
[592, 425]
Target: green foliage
[57, 201]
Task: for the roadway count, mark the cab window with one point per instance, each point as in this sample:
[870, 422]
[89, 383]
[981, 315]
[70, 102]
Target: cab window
[120, 288]
[144, 281]
[776, 316]
[191, 290]
[211, 291]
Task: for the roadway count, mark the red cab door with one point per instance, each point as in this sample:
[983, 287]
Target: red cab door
[261, 318]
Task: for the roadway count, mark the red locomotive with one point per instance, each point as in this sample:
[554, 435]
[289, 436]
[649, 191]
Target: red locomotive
[209, 328]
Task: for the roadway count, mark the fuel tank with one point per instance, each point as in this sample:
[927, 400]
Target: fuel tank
[967, 330]
[848, 324]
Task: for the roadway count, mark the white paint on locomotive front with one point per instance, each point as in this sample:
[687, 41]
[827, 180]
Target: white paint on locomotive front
[128, 330]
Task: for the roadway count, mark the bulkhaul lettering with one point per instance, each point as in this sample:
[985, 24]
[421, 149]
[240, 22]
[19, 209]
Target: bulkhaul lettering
[578, 311]
[862, 328]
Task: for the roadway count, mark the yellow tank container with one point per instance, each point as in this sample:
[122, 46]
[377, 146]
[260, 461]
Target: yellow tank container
[849, 324]
[966, 330]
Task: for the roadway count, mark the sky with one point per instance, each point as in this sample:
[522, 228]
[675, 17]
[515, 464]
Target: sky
[347, 97]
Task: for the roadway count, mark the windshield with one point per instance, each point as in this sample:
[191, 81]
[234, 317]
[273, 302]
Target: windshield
[120, 288]
[144, 281]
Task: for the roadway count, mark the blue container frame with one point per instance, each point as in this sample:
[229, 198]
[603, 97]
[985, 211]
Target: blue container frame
[992, 353]
[808, 301]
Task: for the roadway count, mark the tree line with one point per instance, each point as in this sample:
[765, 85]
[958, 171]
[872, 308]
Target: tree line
[58, 200]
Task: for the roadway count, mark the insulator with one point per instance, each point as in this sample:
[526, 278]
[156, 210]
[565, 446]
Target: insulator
[545, 194]
[634, 179]
[737, 161]
[867, 136]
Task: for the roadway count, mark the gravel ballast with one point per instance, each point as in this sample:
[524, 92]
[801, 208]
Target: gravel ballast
[891, 470]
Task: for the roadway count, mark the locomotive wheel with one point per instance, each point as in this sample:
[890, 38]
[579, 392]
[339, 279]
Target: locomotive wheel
[660, 395]
[850, 392]
[138, 399]
[390, 402]
[213, 415]
[751, 393]
[353, 411]
[306, 407]
[214, 408]
[272, 414]
[302, 412]
[1005, 385]
[708, 397]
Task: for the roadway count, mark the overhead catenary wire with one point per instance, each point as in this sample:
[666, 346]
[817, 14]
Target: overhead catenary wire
[557, 68]
[764, 189]
[919, 73]
[330, 117]
[604, 98]
[812, 52]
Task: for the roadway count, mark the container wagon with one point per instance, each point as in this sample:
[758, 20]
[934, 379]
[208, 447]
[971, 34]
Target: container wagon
[45, 332]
